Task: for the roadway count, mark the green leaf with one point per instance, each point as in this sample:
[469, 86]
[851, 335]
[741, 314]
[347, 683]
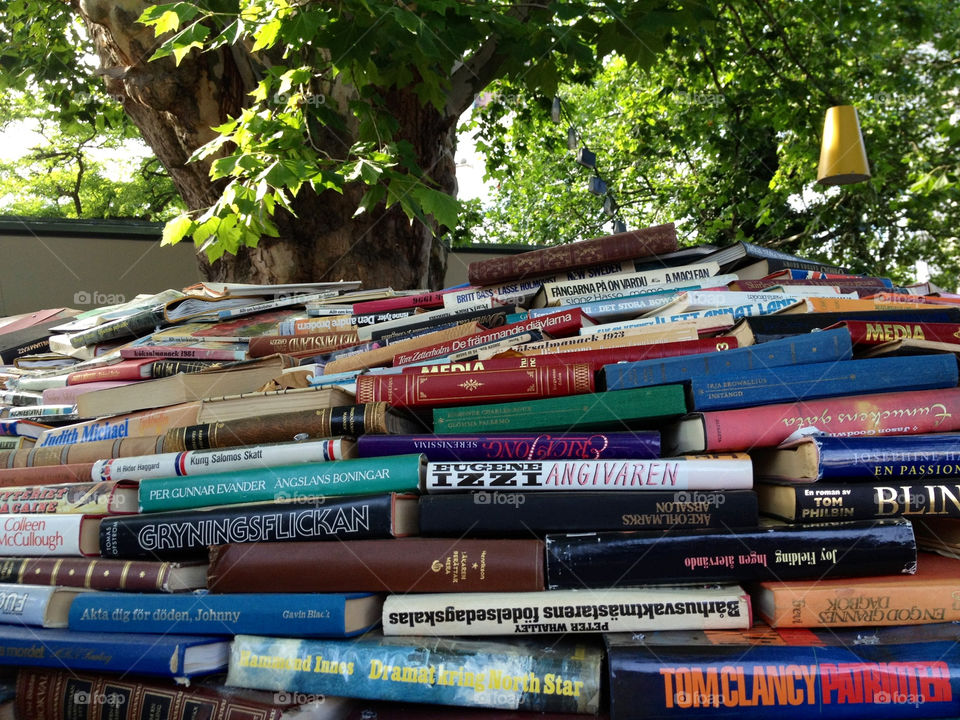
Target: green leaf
[443, 207]
[267, 35]
[175, 230]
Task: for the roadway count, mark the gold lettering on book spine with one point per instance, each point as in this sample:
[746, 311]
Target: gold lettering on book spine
[582, 378]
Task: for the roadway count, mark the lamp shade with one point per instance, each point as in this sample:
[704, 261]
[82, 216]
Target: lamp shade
[843, 158]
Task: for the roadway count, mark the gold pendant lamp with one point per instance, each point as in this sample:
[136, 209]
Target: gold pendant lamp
[843, 158]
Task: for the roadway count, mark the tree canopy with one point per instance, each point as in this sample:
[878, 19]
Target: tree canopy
[722, 135]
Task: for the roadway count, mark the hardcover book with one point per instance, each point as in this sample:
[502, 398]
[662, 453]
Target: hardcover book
[928, 596]
[640, 407]
[622, 246]
[911, 458]
[186, 534]
[520, 514]
[36, 605]
[57, 535]
[826, 501]
[712, 472]
[303, 615]
[893, 413]
[822, 347]
[516, 675]
[174, 656]
[482, 386]
[87, 498]
[400, 565]
[598, 560]
[100, 574]
[866, 672]
[566, 611]
[361, 476]
[516, 446]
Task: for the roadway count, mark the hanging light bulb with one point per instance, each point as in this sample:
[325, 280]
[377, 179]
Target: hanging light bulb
[555, 110]
[843, 157]
[571, 138]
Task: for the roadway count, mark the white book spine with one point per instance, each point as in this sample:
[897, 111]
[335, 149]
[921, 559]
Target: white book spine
[634, 282]
[704, 318]
[707, 472]
[566, 611]
[206, 462]
[40, 535]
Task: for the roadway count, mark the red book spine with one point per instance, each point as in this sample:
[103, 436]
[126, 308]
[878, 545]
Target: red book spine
[864, 332]
[861, 286]
[409, 390]
[46, 475]
[555, 325]
[609, 248]
[897, 413]
[426, 300]
[321, 342]
[126, 370]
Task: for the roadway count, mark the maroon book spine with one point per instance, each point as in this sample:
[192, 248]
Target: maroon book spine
[609, 248]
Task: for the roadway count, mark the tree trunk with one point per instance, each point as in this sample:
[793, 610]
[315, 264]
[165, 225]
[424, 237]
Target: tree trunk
[175, 106]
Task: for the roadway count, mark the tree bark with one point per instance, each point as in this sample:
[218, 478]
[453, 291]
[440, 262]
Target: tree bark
[175, 108]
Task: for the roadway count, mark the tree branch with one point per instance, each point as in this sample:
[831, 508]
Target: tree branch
[480, 69]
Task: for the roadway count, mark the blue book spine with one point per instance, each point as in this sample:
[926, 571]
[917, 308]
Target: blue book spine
[916, 457]
[742, 682]
[625, 307]
[25, 604]
[766, 386]
[521, 446]
[819, 347]
[300, 614]
[512, 675]
[164, 655]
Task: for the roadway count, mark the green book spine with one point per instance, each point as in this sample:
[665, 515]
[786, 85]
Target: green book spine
[365, 476]
[590, 411]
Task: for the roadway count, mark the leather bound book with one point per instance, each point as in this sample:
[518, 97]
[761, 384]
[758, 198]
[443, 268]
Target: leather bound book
[397, 565]
[609, 248]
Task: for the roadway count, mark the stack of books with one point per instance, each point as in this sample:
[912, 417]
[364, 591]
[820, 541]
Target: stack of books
[616, 477]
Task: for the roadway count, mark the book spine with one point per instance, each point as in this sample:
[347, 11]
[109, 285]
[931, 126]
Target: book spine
[762, 386]
[130, 327]
[425, 319]
[383, 355]
[558, 324]
[139, 424]
[527, 446]
[326, 422]
[814, 680]
[41, 535]
[610, 248]
[550, 611]
[45, 475]
[121, 371]
[318, 325]
[399, 473]
[827, 502]
[609, 410]
[93, 573]
[189, 534]
[707, 473]
[396, 565]
[203, 462]
[895, 413]
[485, 317]
[182, 353]
[907, 457]
[820, 347]
[673, 333]
[24, 604]
[49, 694]
[435, 390]
[875, 333]
[855, 606]
[564, 292]
[519, 514]
[325, 342]
[599, 560]
[70, 393]
[606, 356]
[493, 675]
[31, 346]
[303, 615]
[90, 498]
[166, 368]
[424, 300]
